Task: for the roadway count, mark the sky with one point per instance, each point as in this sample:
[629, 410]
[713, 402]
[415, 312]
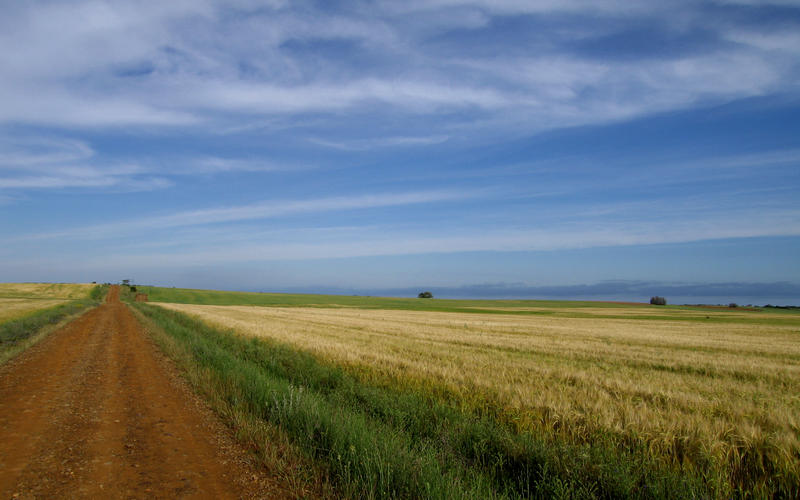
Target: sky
[607, 149]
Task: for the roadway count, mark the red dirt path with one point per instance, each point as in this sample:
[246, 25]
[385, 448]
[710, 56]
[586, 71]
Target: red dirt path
[95, 411]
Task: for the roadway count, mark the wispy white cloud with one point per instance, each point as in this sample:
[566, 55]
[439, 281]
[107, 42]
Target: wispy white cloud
[30, 152]
[52, 105]
[216, 164]
[758, 3]
[254, 211]
[776, 41]
[781, 157]
[216, 235]
[367, 243]
[382, 142]
[30, 162]
[97, 180]
[510, 7]
[421, 97]
[271, 209]
[42, 162]
[113, 64]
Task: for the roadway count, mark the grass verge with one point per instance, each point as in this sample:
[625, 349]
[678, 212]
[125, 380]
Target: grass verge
[21, 333]
[272, 447]
[383, 442]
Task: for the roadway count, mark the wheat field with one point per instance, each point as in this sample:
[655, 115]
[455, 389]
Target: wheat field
[698, 391]
[67, 291]
[20, 299]
[16, 308]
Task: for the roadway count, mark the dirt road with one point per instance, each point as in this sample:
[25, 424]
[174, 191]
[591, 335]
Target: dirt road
[95, 411]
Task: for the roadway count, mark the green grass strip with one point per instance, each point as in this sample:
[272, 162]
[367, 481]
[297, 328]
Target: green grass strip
[385, 443]
[16, 330]
[18, 334]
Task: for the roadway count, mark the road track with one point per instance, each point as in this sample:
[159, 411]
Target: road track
[96, 411]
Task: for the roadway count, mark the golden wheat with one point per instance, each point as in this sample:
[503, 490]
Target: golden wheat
[45, 290]
[710, 389]
[16, 308]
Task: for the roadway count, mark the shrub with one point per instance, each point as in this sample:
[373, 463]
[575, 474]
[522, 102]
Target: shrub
[733, 305]
[425, 295]
[658, 301]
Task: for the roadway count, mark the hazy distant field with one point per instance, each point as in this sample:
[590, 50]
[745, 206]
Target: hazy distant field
[554, 308]
[712, 391]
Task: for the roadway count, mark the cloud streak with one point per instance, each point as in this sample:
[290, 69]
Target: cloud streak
[255, 211]
[200, 246]
[380, 143]
[31, 162]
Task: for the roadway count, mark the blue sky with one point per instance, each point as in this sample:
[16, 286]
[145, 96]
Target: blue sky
[504, 148]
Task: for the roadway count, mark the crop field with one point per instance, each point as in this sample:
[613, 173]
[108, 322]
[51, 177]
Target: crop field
[66, 291]
[26, 308]
[21, 299]
[17, 308]
[552, 308]
[707, 395]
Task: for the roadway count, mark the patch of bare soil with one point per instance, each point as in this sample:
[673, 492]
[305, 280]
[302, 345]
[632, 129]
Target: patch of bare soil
[95, 411]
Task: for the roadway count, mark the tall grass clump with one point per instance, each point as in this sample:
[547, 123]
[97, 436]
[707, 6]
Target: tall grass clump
[98, 292]
[384, 442]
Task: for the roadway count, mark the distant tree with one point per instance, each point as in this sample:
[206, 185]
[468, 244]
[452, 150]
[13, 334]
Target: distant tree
[425, 295]
[658, 301]
[126, 282]
[733, 305]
